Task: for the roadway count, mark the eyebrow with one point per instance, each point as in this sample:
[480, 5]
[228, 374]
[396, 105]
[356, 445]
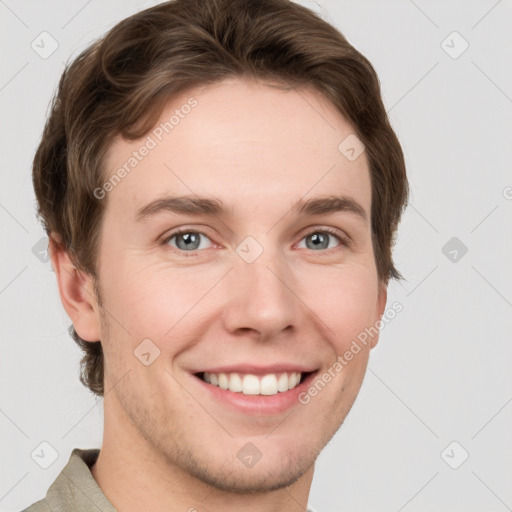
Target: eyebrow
[212, 206]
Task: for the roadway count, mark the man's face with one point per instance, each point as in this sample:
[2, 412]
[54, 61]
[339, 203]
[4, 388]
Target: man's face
[259, 288]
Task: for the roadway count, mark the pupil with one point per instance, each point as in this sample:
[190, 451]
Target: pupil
[319, 239]
[189, 239]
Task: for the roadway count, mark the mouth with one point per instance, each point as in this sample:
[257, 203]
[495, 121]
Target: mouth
[255, 390]
[267, 384]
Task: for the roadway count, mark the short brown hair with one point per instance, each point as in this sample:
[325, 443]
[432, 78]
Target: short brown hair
[119, 85]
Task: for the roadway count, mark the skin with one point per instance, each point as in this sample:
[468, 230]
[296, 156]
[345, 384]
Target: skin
[259, 149]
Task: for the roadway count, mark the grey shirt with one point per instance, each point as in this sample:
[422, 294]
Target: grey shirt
[75, 489]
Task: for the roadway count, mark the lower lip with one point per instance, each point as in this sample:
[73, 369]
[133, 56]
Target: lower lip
[258, 405]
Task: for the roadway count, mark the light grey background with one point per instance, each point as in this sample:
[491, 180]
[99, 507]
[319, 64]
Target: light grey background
[441, 371]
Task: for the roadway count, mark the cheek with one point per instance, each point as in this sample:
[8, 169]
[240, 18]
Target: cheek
[150, 299]
[345, 300]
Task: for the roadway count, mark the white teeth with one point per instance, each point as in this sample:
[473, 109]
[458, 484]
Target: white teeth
[282, 383]
[250, 384]
[235, 383]
[268, 385]
[293, 379]
[223, 381]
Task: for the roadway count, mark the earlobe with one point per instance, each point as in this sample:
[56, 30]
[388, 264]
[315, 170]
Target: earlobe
[76, 290]
[381, 306]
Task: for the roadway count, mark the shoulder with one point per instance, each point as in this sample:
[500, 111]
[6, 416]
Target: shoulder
[38, 506]
[62, 495]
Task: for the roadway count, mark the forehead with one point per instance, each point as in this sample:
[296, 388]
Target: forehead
[248, 143]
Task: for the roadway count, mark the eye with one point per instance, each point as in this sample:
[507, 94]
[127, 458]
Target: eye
[186, 240]
[320, 239]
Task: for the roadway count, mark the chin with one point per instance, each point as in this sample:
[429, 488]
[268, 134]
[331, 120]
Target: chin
[263, 477]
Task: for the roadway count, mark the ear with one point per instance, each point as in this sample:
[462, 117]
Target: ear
[381, 306]
[76, 290]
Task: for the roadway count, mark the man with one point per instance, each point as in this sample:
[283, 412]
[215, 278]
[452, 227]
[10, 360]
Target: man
[221, 188]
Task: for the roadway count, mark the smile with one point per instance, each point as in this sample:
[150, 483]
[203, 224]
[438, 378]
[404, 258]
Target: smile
[250, 384]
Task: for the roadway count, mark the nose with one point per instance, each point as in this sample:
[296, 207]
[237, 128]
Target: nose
[261, 298]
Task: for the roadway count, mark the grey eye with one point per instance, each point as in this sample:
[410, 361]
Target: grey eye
[187, 240]
[319, 240]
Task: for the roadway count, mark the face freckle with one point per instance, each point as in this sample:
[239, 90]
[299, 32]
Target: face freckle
[268, 290]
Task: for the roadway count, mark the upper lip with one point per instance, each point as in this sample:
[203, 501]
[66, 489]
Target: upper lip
[258, 370]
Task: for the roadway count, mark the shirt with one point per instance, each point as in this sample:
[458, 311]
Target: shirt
[75, 489]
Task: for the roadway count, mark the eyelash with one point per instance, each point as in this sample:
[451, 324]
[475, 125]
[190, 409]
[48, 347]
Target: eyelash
[344, 240]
